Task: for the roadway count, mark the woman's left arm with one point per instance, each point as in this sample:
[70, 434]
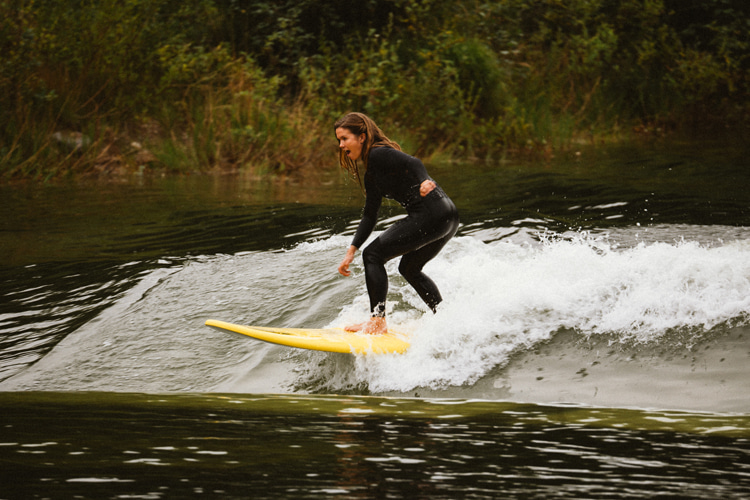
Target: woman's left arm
[344, 266]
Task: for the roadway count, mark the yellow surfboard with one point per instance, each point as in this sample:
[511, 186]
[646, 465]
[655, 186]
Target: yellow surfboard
[322, 339]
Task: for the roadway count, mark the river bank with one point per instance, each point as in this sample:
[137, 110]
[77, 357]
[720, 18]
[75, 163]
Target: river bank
[211, 85]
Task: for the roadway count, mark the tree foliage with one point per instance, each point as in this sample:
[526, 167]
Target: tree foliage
[229, 83]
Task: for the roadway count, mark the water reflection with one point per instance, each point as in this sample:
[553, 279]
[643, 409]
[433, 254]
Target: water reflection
[275, 446]
[88, 260]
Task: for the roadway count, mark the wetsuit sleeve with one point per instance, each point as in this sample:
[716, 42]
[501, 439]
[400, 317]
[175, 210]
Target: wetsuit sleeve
[398, 175]
[369, 214]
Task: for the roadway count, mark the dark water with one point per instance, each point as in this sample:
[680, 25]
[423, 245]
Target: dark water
[594, 340]
[150, 446]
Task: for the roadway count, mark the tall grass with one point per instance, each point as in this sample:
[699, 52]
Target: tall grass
[111, 86]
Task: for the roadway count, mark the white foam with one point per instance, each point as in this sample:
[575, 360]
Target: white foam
[501, 297]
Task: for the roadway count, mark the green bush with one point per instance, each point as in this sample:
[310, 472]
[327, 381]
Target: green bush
[100, 85]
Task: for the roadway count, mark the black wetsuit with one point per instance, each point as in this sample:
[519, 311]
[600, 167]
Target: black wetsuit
[431, 221]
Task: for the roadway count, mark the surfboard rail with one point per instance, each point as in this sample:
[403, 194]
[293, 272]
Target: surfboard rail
[321, 339]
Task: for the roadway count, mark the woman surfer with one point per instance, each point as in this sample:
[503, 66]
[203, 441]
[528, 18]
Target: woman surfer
[432, 218]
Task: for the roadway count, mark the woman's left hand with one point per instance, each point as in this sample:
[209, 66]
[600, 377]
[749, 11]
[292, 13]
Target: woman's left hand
[344, 266]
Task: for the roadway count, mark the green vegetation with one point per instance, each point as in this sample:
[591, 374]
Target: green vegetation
[89, 86]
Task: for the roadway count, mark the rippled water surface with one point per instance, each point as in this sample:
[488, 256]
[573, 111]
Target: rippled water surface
[125, 446]
[593, 343]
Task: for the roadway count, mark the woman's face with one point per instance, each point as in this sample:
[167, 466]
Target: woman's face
[350, 143]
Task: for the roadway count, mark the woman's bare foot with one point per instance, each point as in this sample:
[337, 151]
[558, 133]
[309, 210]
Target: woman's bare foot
[373, 326]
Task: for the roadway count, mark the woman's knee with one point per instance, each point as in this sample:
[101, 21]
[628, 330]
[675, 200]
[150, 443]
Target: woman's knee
[409, 269]
[372, 254]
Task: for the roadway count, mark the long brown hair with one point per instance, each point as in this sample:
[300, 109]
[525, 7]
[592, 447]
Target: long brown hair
[358, 124]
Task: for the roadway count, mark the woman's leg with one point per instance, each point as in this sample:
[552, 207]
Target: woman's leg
[374, 257]
[411, 266]
[419, 238]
